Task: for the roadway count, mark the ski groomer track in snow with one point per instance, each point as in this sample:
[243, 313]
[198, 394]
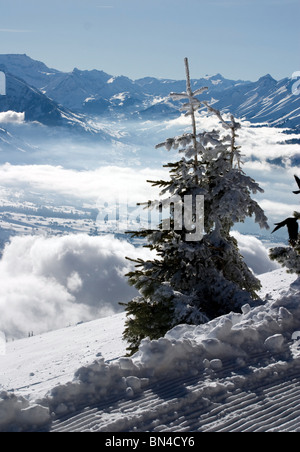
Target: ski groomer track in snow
[209, 405]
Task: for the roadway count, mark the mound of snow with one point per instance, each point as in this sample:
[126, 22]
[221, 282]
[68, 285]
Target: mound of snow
[17, 412]
[184, 351]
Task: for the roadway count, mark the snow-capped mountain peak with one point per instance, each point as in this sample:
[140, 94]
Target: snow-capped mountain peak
[95, 92]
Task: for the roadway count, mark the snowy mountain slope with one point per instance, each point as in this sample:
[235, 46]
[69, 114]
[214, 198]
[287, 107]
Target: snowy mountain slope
[266, 100]
[34, 73]
[36, 106]
[237, 373]
[13, 143]
[96, 92]
[33, 365]
[20, 97]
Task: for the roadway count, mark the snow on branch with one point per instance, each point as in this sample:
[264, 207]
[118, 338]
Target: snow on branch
[232, 125]
[182, 141]
[185, 95]
[193, 104]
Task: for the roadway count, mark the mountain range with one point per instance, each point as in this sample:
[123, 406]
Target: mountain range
[56, 98]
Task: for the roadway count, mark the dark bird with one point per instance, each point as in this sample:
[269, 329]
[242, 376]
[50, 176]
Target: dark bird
[298, 182]
[293, 229]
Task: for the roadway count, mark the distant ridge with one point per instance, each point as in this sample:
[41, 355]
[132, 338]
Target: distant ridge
[95, 92]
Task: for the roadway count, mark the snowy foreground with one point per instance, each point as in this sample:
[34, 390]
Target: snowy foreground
[240, 372]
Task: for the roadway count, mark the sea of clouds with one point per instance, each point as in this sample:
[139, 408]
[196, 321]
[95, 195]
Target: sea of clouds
[92, 171]
[51, 282]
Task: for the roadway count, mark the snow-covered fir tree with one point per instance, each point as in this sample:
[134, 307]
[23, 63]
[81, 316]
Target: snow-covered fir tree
[195, 280]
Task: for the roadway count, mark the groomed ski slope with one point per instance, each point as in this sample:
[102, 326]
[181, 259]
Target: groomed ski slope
[238, 373]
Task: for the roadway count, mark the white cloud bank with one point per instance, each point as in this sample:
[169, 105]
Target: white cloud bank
[50, 282]
[255, 254]
[12, 117]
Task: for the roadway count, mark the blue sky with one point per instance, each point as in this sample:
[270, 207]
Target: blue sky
[239, 38]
